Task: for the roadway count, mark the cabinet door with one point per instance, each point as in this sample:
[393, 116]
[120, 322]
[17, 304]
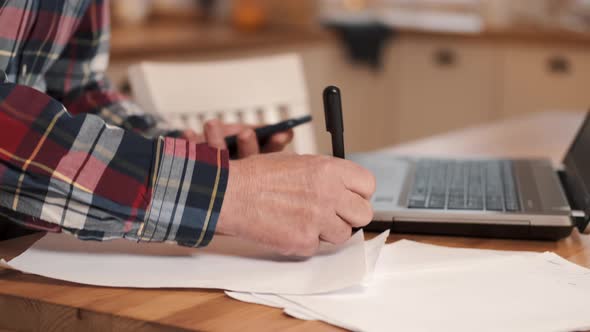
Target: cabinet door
[445, 84]
[545, 78]
[368, 96]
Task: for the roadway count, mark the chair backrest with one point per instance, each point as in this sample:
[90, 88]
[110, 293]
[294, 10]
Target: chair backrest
[254, 91]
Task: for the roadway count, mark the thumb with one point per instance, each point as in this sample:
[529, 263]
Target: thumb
[214, 134]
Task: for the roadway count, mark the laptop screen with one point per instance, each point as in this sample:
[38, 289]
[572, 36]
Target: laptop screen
[577, 171]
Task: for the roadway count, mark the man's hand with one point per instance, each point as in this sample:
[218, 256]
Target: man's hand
[291, 202]
[215, 132]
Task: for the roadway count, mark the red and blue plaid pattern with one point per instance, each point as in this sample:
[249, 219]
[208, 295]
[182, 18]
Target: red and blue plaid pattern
[65, 161]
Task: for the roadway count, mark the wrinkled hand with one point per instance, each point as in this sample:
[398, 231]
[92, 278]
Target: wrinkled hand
[290, 202]
[215, 132]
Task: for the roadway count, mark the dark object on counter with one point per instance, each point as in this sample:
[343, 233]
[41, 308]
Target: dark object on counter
[364, 41]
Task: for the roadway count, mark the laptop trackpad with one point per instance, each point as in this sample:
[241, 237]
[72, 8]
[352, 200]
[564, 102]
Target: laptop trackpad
[390, 172]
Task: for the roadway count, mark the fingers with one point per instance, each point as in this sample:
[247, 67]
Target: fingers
[247, 144]
[216, 131]
[335, 230]
[235, 128]
[356, 178]
[190, 135]
[214, 134]
[350, 210]
[354, 209]
[278, 142]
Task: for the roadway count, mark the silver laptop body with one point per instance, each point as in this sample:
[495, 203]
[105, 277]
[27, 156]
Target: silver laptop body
[482, 197]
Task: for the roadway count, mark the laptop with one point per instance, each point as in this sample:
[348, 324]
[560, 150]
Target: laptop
[524, 198]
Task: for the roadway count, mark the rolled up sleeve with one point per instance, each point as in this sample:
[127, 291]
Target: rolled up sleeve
[100, 182]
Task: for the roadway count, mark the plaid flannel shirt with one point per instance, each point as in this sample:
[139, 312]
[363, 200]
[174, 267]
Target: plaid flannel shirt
[77, 156]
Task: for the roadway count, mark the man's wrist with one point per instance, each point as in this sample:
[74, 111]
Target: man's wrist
[187, 194]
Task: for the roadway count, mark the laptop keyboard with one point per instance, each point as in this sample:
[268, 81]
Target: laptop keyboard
[464, 185]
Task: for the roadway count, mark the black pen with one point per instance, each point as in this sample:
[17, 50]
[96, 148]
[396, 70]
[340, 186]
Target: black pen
[334, 122]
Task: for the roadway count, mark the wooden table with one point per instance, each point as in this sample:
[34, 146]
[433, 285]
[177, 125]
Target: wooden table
[29, 302]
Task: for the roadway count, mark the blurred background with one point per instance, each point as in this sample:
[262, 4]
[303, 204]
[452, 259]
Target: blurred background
[407, 68]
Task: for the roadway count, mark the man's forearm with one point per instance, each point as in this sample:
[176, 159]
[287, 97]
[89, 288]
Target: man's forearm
[102, 182]
[114, 108]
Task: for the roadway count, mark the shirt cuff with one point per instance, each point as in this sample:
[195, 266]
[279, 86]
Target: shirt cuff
[187, 193]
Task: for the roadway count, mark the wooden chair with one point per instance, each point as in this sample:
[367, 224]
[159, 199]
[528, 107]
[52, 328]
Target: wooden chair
[254, 91]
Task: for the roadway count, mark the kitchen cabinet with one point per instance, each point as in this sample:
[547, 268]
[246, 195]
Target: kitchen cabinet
[444, 85]
[539, 78]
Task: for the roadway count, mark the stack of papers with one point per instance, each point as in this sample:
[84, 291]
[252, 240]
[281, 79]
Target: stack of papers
[421, 287]
[360, 285]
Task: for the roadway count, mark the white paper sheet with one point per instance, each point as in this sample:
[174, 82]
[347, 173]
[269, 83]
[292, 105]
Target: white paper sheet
[405, 255]
[274, 301]
[537, 293]
[383, 260]
[252, 298]
[227, 263]
[373, 249]
[3, 264]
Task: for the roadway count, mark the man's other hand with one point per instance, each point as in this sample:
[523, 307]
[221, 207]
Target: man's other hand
[290, 202]
[215, 132]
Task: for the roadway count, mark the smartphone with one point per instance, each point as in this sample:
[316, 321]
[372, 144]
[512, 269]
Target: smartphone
[263, 134]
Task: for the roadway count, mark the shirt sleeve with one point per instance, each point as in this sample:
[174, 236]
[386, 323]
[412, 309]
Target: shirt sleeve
[77, 78]
[100, 182]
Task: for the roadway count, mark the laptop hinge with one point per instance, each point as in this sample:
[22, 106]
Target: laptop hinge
[578, 214]
[580, 217]
[581, 221]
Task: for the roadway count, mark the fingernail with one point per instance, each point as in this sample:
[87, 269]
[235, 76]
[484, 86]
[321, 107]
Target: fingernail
[212, 123]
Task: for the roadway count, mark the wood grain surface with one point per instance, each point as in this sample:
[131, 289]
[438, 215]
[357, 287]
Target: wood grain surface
[33, 303]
